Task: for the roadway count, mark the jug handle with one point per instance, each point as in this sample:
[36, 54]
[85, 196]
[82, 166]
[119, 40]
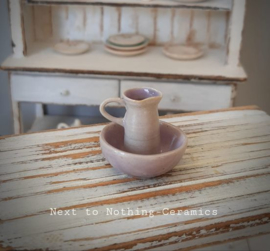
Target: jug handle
[107, 115]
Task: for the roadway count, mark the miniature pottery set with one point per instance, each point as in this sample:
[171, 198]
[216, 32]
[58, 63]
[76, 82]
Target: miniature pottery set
[127, 45]
[139, 144]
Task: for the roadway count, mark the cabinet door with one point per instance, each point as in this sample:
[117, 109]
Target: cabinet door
[187, 96]
[62, 89]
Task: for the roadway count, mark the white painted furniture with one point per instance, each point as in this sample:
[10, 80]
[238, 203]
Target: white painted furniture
[40, 75]
[225, 168]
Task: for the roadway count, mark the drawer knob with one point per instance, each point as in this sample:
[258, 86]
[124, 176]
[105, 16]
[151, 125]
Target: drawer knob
[65, 93]
[174, 98]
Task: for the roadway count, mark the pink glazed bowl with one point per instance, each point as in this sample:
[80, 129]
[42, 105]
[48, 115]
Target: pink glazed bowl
[172, 148]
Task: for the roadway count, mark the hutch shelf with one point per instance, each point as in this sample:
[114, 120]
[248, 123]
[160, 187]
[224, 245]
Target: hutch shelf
[151, 65]
[42, 76]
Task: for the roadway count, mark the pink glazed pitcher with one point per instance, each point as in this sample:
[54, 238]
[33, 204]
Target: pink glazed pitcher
[141, 121]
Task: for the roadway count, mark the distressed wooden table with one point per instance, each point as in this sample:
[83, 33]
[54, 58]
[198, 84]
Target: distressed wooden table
[59, 193]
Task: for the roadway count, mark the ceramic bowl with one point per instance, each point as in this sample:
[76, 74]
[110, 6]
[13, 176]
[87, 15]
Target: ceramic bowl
[173, 146]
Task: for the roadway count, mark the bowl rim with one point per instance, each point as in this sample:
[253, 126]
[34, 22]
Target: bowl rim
[183, 146]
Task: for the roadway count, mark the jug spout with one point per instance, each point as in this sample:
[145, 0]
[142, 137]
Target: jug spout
[142, 96]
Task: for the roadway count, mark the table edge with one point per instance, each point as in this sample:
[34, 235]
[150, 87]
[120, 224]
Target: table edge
[240, 108]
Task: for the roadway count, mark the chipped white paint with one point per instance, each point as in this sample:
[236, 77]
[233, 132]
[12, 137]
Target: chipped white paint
[226, 168]
[93, 16]
[37, 27]
[57, 90]
[218, 21]
[199, 26]
[181, 25]
[151, 65]
[42, 25]
[52, 23]
[147, 16]
[235, 32]
[163, 26]
[62, 90]
[128, 20]
[187, 97]
[16, 23]
[17, 125]
[42, 18]
[110, 22]
[39, 111]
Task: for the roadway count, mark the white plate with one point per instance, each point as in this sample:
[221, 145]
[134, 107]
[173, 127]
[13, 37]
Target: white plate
[183, 52]
[127, 48]
[71, 47]
[125, 53]
[126, 39]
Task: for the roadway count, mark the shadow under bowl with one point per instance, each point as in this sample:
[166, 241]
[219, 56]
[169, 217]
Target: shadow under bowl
[172, 148]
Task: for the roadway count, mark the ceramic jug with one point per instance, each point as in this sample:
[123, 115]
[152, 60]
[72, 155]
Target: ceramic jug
[141, 121]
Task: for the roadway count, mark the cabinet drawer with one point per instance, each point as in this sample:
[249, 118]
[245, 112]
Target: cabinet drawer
[187, 97]
[62, 89]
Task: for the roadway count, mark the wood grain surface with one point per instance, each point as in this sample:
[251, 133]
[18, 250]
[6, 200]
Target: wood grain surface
[226, 168]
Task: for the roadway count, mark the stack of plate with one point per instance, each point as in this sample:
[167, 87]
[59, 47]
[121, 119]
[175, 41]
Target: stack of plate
[126, 44]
